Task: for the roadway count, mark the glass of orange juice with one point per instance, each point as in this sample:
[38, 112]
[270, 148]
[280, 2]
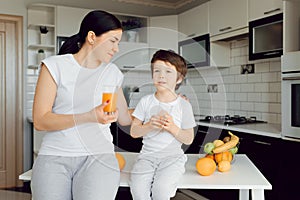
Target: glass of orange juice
[110, 93]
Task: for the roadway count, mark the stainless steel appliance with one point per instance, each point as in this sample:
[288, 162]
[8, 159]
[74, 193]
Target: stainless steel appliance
[290, 91]
[195, 51]
[231, 120]
[266, 37]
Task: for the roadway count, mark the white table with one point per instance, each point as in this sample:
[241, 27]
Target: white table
[243, 176]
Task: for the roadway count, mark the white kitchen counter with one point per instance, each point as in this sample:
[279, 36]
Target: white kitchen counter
[243, 176]
[264, 129]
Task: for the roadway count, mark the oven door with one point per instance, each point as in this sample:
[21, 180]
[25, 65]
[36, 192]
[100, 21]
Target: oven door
[290, 105]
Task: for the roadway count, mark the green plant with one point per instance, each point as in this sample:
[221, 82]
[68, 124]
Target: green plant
[131, 23]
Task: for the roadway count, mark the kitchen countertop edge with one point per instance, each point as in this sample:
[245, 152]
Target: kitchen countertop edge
[263, 129]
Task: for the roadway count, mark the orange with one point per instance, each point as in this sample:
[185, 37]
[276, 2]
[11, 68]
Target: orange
[121, 160]
[205, 166]
[226, 155]
[210, 156]
[224, 166]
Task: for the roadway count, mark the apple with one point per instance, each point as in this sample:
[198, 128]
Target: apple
[233, 150]
[208, 147]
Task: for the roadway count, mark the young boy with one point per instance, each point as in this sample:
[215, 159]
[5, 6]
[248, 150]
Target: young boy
[165, 121]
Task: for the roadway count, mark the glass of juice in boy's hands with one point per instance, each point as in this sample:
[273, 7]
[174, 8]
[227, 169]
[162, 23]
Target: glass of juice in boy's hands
[110, 95]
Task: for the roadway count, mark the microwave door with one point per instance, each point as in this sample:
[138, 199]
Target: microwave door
[291, 108]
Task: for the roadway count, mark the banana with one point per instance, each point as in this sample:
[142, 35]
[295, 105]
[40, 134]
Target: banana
[234, 140]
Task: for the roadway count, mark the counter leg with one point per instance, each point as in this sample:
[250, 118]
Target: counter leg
[257, 194]
[244, 194]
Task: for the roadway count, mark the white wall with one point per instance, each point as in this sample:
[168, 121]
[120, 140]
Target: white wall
[13, 7]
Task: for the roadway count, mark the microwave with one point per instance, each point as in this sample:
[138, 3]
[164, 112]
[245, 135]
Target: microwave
[266, 37]
[195, 51]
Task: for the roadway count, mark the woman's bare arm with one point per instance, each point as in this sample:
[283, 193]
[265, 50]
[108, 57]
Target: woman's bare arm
[124, 118]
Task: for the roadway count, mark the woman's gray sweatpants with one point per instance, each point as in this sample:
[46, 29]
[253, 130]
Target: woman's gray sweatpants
[94, 177]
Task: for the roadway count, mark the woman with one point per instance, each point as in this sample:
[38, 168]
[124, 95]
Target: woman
[76, 159]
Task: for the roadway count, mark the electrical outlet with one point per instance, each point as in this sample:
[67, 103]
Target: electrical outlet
[247, 69]
[212, 88]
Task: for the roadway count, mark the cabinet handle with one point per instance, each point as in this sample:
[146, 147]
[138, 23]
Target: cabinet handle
[202, 132]
[128, 66]
[193, 34]
[291, 78]
[225, 29]
[271, 11]
[261, 142]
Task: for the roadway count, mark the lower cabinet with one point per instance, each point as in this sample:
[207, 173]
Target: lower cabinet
[264, 152]
[288, 177]
[122, 139]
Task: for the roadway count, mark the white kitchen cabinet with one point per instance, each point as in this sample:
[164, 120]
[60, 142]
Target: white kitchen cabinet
[260, 9]
[69, 19]
[193, 22]
[132, 56]
[40, 16]
[291, 30]
[227, 18]
[163, 33]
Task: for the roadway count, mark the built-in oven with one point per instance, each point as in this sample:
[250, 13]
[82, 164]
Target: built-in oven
[291, 105]
[290, 91]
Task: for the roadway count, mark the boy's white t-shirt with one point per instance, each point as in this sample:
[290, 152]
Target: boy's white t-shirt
[161, 142]
[79, 90]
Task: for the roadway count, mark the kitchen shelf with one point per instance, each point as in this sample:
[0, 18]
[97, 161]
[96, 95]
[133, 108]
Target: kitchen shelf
[37, 26]
[41, 46]
[34, 67]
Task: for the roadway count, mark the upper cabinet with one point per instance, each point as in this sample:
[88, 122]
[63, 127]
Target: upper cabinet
[132, 56]
[193, 22]
[291, 29]
[163, 33]
[260, 9]
[227, 18]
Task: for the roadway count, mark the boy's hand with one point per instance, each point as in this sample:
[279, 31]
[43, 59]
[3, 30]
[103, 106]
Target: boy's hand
[168, 124]
[155, 122]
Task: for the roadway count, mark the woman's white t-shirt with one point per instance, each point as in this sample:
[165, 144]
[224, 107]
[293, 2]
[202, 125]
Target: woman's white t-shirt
[160, 142]
[79, 90]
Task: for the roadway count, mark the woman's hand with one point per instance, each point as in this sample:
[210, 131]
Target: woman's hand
[102, 117]
[184, 97]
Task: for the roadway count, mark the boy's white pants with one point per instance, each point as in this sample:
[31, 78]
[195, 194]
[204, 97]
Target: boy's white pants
[155, 178]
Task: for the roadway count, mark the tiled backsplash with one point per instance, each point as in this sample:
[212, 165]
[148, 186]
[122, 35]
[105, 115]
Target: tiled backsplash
[257, 94]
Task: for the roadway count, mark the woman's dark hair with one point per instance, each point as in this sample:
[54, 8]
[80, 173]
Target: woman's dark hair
[97, 21]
